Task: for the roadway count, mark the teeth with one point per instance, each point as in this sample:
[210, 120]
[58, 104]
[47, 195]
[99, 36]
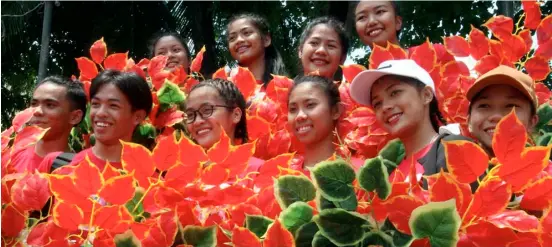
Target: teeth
[394, 117]
[319, 62]
[242, 49]
[202, 131]
[304, 129]
[375, 32]
[102, 124]
[490, 131]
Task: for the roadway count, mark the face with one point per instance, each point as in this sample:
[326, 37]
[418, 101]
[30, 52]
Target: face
[245, 42]
[171, 47]
[322, 51]
[399, 106]
[376, 22]
[112, 116]
[310, 114]
[493, 103]
[53, 110]
[206, 130]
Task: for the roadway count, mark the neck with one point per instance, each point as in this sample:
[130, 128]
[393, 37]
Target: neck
[394, 41]
[319, 152]
[44, 147]
[418, 139]
[257, 67]
[111, 153]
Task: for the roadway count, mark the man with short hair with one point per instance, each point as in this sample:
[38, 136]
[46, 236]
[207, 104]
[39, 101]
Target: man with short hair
[59, 104]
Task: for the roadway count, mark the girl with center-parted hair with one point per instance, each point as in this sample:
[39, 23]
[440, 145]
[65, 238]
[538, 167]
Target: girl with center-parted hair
[378, 22]
[402, 95]
[250, 44]
[314, 110]
[119, 101]
[217, 105]
[323, 47]
[172, 45]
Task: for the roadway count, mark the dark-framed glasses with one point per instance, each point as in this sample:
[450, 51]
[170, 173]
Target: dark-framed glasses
[204, 112]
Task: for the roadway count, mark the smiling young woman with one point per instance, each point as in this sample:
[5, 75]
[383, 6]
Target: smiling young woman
[170, 44]
[377, 22]
[250, 43]
[323, 47]
[402, 95]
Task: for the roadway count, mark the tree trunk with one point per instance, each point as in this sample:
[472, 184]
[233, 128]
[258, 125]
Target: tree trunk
[203, 35]
[45, 42]
[506, 8]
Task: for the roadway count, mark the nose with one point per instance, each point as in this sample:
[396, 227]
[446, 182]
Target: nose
[101, 112]
[38, 111]
[495, 116]
[386, 106]
[301, 116]
[372, 20]
[321, 49]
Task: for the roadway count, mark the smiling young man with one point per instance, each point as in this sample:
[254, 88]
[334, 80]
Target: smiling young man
[492, 97]
[59, 104]
[119, 101]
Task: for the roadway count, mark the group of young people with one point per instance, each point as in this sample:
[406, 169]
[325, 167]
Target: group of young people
[401, 93]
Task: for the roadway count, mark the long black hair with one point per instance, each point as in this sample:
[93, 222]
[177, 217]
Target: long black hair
[232, 97]
[274, 63]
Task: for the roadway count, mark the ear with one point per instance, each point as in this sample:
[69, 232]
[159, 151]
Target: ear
[398, 22]
[75, 117]
[139, 116]
[300, 53]
[337, 110]
[267, 40]
[470, 129]
[534, 120]
[427, 95]
[236, 115]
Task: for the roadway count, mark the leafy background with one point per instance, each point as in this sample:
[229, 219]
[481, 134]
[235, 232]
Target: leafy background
[129, 26]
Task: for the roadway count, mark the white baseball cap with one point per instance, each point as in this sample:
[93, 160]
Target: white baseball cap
[362, 84]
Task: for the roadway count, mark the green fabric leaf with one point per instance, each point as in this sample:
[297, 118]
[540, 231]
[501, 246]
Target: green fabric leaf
[350, 204]
[305, 234]
[341, 227]
[438, 221]
[320, 240]
[377, 238]
[170, 93]
[200, 236]
[257, 224]
[135, 203]
[296, 215]
[393, 151]
[127, 239]
[334, 179]
[544, 140]
[289, 189]
[373, 176]
[545, 116]
[399, 239]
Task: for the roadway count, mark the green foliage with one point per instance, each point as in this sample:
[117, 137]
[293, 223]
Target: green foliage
[438, 221]
[399, 239]
[373, 176]
[296, 215]
[170, 94]
[334, 179]
[349, 204]
[545, 117]
[200, 236]
[341, 227]
[257, 224]
[126, 239]
[289, 189]
[305, 234]
[393, 151]
[136, 203]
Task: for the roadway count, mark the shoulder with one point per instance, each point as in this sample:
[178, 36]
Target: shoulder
[81, 155]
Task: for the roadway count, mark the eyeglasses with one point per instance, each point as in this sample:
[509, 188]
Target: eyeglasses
[204, 111]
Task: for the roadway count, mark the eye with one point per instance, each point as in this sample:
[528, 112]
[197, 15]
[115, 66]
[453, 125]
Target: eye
[313, 43]
[50, 105]
[94, 104]
[34, 104]
[395, 92]
[483, 106]
[311, 105]
[513, 105]
[231, 38]
[206, 110]
[114, 106]
[376, 104]
[247, 33]
[177, 50]
[292, 109]
[360, 17]
[380, 11]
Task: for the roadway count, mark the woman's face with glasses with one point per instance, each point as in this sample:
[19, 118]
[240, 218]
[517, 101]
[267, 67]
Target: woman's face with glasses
[207, 115]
